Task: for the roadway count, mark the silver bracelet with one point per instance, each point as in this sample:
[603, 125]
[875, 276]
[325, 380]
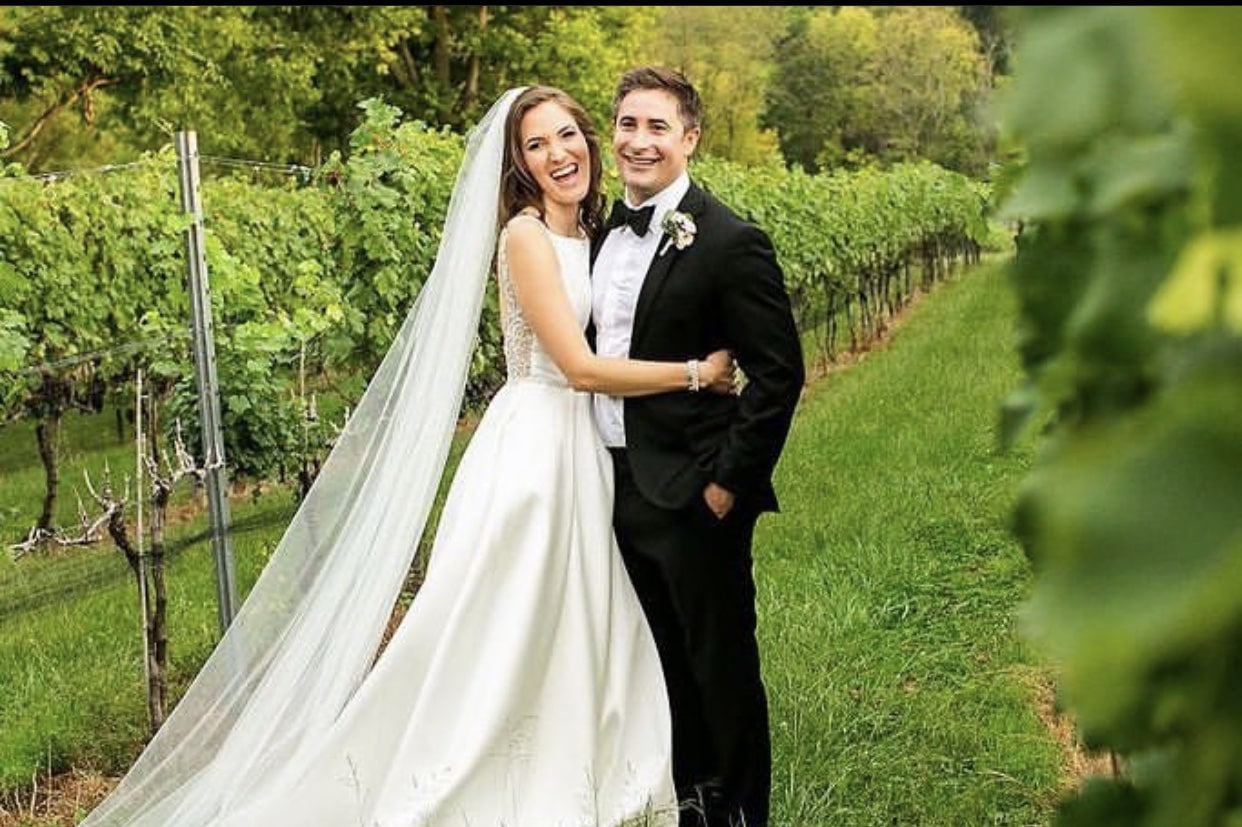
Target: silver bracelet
[692, 375]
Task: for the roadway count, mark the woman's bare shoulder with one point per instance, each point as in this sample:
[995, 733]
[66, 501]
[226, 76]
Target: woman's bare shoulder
[526, 228]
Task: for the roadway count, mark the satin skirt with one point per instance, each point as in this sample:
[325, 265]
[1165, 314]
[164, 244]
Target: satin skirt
[523, 687]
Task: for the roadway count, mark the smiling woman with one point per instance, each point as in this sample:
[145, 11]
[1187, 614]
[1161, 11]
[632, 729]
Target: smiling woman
[556, 154]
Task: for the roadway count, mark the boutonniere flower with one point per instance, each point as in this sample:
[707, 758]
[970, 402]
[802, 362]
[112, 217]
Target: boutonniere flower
[679, 229]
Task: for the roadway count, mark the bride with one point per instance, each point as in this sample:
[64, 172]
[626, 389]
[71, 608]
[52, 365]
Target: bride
[523, 687]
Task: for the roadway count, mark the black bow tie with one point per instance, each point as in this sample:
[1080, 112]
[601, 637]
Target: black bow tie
[638, 220]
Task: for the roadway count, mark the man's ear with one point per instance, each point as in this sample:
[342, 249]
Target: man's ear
[691, 141]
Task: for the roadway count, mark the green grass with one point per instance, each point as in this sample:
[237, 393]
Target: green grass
[86, 443]
[71, 674]
[901, 693]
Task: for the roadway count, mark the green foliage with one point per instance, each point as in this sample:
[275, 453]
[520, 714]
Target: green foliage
[581, 49]
[849, 241]
[824, 86]
[14, 344]
[819, 71]
[79, 265]
[893, 84]
[147, 71]
[929, 78]
[728, 52]
[1129, 278]
[93, 283]
[318, 274]
[390, 206]
[85, 85]
[995, 27]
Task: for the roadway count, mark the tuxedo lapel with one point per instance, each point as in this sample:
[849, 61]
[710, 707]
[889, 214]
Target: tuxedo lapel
[662, 265]
[653, 283]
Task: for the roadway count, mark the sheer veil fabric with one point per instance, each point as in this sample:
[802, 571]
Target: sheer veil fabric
[308, 631]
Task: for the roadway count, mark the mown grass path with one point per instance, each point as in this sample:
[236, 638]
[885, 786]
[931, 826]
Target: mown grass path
[901, 690]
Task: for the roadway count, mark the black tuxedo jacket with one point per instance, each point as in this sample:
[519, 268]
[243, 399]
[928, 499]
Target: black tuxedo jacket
[724, 290]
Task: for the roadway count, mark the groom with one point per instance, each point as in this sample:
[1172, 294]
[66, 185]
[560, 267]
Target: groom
[678, 274]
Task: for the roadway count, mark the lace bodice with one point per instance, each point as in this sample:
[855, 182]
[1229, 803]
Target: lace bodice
[524, 356]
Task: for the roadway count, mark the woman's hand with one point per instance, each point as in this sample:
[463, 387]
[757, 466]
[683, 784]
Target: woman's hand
[718, 372]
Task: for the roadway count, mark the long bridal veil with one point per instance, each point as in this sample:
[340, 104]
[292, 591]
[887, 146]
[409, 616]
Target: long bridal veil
[309, 629]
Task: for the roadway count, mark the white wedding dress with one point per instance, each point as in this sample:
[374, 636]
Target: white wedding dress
[523, 687]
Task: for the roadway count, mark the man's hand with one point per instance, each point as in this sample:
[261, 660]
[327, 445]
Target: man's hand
[718, 499]
[718, 373]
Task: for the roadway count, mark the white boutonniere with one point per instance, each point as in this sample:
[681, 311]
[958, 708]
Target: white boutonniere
[679, 229]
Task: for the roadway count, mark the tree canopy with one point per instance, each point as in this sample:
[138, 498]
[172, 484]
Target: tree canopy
[815, 86]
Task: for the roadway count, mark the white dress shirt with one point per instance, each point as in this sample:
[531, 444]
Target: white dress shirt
[616, 280]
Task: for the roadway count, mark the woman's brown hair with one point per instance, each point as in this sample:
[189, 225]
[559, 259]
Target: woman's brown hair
[518, 189]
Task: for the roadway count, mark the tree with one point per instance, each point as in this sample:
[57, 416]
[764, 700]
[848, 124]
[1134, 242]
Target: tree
[995, 27]
[894, 84]
[470, 54]
[282, 83]
[927, 75]
[820, 79]
[143, 72]
[727, 52]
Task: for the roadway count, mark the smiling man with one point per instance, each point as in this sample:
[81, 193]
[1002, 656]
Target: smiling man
[678, 274]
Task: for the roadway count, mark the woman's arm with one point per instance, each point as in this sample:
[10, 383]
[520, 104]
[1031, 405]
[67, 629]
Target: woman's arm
[535, 272]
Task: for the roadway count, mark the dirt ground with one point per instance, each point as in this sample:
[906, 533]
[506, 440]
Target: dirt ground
[58, 801]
